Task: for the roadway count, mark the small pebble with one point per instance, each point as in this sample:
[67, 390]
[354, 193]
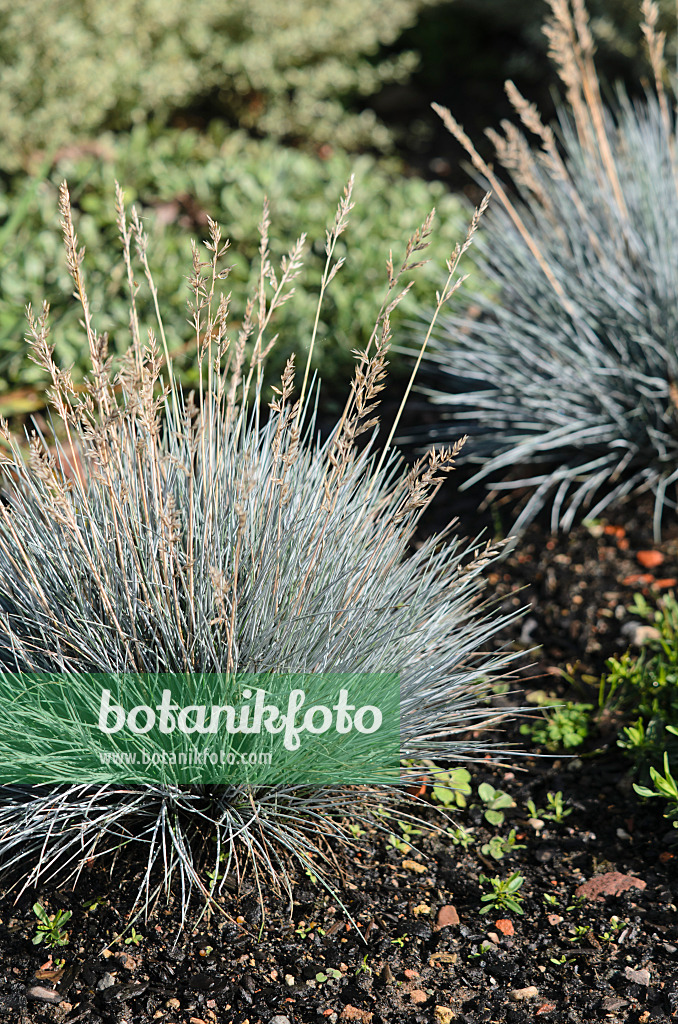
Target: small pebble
[387, 975]
[641, 977]
[443, 1015]
[520, 995]
[289, 980]
[105, 982]
[279, 1019]
[43, 995]
[638, 633]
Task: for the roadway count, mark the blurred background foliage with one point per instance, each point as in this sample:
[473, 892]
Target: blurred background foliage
[299, 71]
[176, 178]
[204, 108]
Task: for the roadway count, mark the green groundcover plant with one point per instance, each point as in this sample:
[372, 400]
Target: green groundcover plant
[154, 530]
[298, 71]
[643, 689]
[566, 379]
[174, 177]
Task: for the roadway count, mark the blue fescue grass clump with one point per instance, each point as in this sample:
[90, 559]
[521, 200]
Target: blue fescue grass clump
[566, 377]
[156, 532]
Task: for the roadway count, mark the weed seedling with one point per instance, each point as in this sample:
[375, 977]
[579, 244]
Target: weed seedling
[51, 927]
[554, 811]
[495, 802]
[562, 728]
[303, 928]
[498, 846]
[451, 788]
[329, 972]
[364, 967]
[504, 895]
[134, 939]
[485, 947]
[665, 786]
[616, 925]
[404, 845]
[461, 836]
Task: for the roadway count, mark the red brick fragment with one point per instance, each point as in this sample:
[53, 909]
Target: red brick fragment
[612, 883]
[505, 926]
[447, 916]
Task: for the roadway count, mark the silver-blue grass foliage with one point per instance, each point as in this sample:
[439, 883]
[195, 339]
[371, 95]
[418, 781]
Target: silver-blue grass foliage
[154, 531]
[564, 370]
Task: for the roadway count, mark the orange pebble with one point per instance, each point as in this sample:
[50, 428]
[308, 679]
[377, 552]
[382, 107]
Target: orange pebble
[650, 559]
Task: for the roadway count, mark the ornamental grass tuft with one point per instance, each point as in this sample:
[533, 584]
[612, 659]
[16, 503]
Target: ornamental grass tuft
[153, 531]
[565, 376]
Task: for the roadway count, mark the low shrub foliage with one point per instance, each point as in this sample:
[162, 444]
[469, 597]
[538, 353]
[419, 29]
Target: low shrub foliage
[154, 530]
[300, 72]
[174, 178]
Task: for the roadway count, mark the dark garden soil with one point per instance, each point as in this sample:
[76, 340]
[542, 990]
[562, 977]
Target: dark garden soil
[426, 953]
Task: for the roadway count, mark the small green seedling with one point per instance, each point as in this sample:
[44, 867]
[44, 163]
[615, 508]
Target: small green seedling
[580, 931]
[400, 941]
[495, 801]
[485, 947]
[404, 845]
[562, 728]
[451, 788]
[364, 967]
[498, 847]
[134, 939]
[305, 928]
[51, 927]
[551, 899]
[504, 895]
[461, 836]
[554, 811]
[616, 925]
[92, 905]
[665, 786]
[329, 972]
[215, 874]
